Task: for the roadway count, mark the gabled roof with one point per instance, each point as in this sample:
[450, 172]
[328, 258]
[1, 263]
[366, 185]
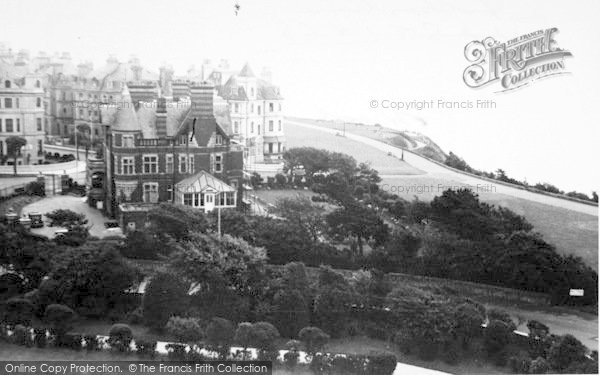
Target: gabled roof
[246, 71]
[201, 182]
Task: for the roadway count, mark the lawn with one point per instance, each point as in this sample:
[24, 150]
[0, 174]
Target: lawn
[570, 231]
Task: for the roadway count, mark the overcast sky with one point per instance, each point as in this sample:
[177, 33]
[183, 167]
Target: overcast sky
[331, 58]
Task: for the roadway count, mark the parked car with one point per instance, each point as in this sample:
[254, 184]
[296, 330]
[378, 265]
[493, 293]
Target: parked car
[36, 220]
[111, 224]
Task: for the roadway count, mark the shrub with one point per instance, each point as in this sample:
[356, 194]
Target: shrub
[39, 339]
[565, 351]
[18, 311]
[497, 335]
[176, 352]
[502, 316]
[145, 348]
[69, 340]
[120, 337]
[467, 323]
[519, 364]
[280, 179]
[314, 339]
[59, 318]
[166, 296]
[91, 342]
[185, 329]
[140, 245]
[381, 364]
[537, 329]
[21, 335]
[36, 188]
[290, 358]
[65, 218]
[219, 336]
[539, 366]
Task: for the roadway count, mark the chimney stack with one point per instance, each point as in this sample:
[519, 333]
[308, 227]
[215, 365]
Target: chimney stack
[202, 97]
[161, 118]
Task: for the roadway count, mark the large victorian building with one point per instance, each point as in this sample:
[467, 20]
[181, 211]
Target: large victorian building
[158, 150]
[21, 108]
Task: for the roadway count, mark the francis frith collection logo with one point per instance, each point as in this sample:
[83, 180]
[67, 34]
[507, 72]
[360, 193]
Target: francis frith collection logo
[515, 63]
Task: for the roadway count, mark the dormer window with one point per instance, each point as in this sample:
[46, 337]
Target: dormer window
[219, 139]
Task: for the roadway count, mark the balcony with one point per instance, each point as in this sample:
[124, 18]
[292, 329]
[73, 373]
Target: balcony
[155, 142]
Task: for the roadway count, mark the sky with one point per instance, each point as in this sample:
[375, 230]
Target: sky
[332, 58]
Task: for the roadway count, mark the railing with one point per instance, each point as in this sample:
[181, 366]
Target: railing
[155, 142]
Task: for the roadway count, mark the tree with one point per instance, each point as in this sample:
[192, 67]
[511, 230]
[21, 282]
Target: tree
[290, 311]
[311, 159]
[467, 323]
[92, 278]
[356, 220]
[165, 297]
[304, 213]
[565, 351]
[313, 338]
[18, 311]
[219, 335]
[496, 336]
[263, 336]
[175, 221]
[13, 149]
[120, 337]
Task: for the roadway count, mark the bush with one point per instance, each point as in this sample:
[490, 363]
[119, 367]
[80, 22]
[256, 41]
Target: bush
[219, 336]
[36, 188]
[141, 245]
[313, 338]
[280, 179]
[519, 364]
[145, 348]
[290, 358]
[539, 366]
[166, 296]
[185, 329]
[69, 340]
[120, 337]
[381, 364]
[18, 311]
[565, 351]
[176, 352]
[65, 218]
[21, 335]
[40, 339]
[91, 342]
[59, 318]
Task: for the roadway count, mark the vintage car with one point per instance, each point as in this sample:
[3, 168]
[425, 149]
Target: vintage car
[36, 220]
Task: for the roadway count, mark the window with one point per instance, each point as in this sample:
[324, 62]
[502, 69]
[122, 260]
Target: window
[80, 112]
[39, 124]
[270, 148]
[219, 139]
[150, 190]
[18, 125]
[188, 199]
[169, 163]
[38, 84]
[183, 164]
[271, 107]
[279, 147]
[127, 165]
[118, 139]
[96, 132]
[191, 164]
[218, 163]
[270, 125]
[252, 91]
[7, 102]
[38, 102]
[128, 141]
[17, 102]
[150, 163]
[279, 125]
[252, 108]
[40, 146]
[236, 108]
[170, 190]
[259, 110]
[258, 129]
[252, 127]
[9, 125]
[279, 107]
[0, 130]
[7, 84]
[230, 198]
[236, 127]
[220, 199]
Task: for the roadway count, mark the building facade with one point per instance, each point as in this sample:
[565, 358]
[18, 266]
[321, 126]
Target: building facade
[22, 109]
[163, 151]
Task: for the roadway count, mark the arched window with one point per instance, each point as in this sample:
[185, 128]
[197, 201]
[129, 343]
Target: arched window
[7, 84]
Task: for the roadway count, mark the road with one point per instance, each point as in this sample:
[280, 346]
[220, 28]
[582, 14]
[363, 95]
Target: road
[437, 171]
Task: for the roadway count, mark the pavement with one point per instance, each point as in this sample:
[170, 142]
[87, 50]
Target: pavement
[95, 217]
